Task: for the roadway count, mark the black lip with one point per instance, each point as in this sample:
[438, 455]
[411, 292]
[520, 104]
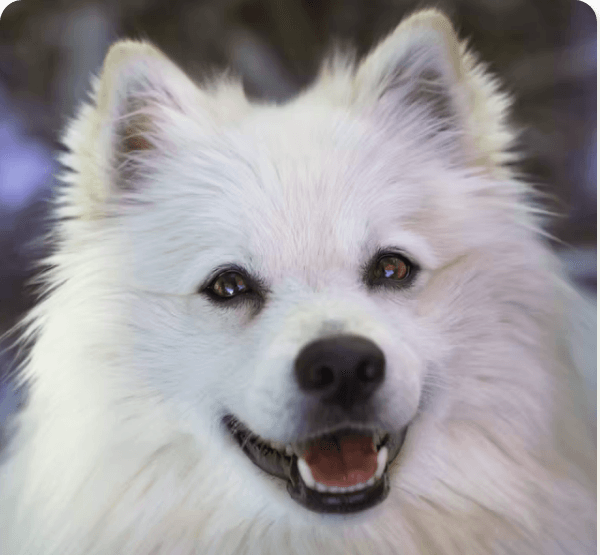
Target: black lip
[270, 460]
[285, 467]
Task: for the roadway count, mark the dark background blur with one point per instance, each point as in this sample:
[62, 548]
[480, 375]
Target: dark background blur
[544, 50]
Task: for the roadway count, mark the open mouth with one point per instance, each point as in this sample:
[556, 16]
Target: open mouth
[341, 471]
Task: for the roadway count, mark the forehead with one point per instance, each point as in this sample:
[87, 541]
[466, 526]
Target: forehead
[296, 190]
[321, 180]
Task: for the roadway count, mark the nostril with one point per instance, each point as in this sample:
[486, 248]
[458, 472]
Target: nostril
[369, 371]
[320, 376]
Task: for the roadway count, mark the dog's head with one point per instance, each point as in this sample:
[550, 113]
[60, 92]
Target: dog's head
[307, 283]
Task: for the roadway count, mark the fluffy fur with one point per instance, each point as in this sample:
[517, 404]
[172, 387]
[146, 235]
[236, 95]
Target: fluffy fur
[120, 449]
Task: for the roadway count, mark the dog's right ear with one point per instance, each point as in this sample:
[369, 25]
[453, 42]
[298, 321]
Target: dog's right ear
[139, 96]
[138, 88]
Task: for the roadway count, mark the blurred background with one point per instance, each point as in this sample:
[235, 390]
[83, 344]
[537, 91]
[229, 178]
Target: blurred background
[544, 50]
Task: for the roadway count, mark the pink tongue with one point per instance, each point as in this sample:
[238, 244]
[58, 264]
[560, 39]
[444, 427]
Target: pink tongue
[352, 461]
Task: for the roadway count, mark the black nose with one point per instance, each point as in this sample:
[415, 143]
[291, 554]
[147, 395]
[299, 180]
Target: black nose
[342, 370]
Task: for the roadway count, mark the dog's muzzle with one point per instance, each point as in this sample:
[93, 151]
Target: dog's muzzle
[336, 469]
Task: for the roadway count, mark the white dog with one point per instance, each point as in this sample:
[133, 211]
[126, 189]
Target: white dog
[324, 327]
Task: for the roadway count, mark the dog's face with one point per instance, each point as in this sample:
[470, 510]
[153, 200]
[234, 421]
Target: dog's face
[297, 322]
[310, 281]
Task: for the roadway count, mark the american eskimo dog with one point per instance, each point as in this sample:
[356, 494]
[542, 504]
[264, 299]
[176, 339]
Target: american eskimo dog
[329, 326]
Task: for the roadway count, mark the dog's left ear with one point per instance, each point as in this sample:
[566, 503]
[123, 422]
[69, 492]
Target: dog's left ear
[422, 72]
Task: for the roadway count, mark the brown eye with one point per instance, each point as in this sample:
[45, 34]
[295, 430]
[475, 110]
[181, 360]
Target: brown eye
[229, 284]
[391, 267]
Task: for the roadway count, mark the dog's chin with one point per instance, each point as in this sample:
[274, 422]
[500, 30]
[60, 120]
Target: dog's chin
[335, 488]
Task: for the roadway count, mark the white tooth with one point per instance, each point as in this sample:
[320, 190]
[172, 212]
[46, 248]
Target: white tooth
[370, 481]
[321, 487]
[306, 474]
[288, 450]
[381, 462]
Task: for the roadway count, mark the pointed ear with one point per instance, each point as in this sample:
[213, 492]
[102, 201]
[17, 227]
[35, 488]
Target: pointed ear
[422, 73]
[138, 87]
[144, 111]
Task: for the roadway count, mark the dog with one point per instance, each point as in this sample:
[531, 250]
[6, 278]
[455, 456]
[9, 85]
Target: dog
[331, 325]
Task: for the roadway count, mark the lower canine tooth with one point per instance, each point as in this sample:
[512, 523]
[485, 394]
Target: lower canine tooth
[382, 457]
[306, 474]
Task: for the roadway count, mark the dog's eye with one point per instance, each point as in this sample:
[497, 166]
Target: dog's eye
[229, 284]
[391, 267]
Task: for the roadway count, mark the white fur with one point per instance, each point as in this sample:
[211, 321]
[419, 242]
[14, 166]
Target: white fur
[119, 449]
